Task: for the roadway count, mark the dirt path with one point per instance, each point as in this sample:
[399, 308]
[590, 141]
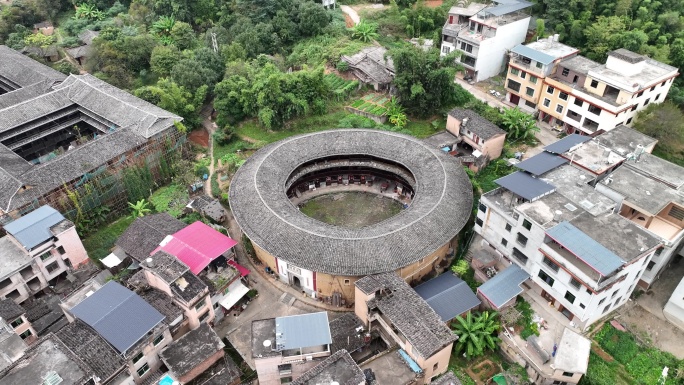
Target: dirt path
[351, 13]
[211, 129]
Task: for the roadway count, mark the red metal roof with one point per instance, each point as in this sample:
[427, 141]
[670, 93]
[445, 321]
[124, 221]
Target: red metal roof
[243, 270]
[196, 245]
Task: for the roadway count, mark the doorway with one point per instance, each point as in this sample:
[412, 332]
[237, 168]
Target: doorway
[296, 282]
[515, 99]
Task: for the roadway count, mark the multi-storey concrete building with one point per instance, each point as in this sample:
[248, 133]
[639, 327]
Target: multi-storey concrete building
[529, 65]
[482, 34]
[553, 220]
[38, 248]
[580, 95]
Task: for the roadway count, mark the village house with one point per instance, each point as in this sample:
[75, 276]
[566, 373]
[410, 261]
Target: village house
[373, 66]
[483, 33]
[39, 248]
[385, 302]
[448, 295]
[478, 141]
[12, 346]
[15, 317]
[82, 52]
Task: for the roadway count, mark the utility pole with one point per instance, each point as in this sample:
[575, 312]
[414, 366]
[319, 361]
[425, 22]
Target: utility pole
[213, 42]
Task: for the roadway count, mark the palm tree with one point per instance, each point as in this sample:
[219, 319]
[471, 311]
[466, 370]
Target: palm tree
[164, 25]
[476, 334]
[139, 209]
[519, 124]
[88, 11]
[364, 31]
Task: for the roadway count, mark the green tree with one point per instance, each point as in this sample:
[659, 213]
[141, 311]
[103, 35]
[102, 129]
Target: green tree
[163, 26]
[424, 80]
[518, 124]
[163, 59]
[172, 97]
[364, 31]
[476, 334]
[88, 11]
[396, 113]
[183, 35]
[39, 41]
[460, 268]
[664, 122]
[139, 208]
[541, 28]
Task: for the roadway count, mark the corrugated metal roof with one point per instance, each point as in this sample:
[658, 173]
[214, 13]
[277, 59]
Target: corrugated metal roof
[585, 248]
[299, 331]
[566, 143]
[504, 9]
[504, 286]
[34, 228]
[541, 163]
[119, 315]
[533, 54]
[448, 295]
[196, 245]
[526, 186]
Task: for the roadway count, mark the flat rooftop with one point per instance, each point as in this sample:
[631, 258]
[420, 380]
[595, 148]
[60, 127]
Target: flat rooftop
[639, 190]
[579, 64]
[442, 139]
[339, 368]
[573, 183]
[550, 210]
[650, 72]
[392, 369]
[659, 169]
[12, 257]
[624, 140]
[594, 158]
[191, 350]
[573, 353]
[470, 10]
[262, 331]
[552, 48]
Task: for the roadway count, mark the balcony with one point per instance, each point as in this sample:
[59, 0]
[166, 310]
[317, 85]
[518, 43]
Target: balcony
[523, 62]
[590, 125]
[27, 273]
[513, 86]
[453, 29]
[574, 116]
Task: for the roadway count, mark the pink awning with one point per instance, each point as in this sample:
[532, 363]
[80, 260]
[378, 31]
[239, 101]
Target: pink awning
[243, 270]
[196, 246]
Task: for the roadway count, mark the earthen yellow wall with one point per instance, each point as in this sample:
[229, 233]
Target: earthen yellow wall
[326, 284]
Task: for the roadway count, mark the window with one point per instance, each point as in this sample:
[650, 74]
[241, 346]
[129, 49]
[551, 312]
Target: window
[565, 72]
[634, 107]
[582, 306]
[522, 239]
[286, 380]
[158, 340]
[520, 256]
[663, 83]
[45, 256]
[639, 94]
[575, 283]
[563, 95]
[546, 102]
[508, 227]
[530, 104]
[570, 297]
[539, 65]
[546, 278]
[594, 110]
[61, 250]
[617, 301]
[551, 264]
[559, 108]
[478, 222]
[602, 301]
[504, 242]
[660, 249]
[446, 49]
[435, 367]
[652, 88]
[466, 47]
[52, 267]
[515, 71]
[605, 309]
[579, 102]
[650, 266]
[285, 369]
[594, 84]
[527, 224]
[568, 374]
[647, 101]
[204, 316]
[25, 334]
[143, 369]
[199, 305]
[523, 74]
[657, 97]
[513, 85]
[614, 293]
[137, 358]
[17, 322]
[529, 91]
[347, 282]
[550, 90]
[629, 120]
[482, 207]
[533, 79]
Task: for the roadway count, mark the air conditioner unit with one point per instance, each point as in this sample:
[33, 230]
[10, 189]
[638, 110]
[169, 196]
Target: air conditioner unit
[309, 358]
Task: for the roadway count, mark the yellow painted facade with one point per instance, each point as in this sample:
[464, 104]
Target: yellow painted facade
[531, 80]
[554, 98]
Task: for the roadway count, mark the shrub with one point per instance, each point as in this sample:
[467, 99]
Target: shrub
[342, 66]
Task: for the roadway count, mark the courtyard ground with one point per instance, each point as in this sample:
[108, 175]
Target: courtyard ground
[351, 209]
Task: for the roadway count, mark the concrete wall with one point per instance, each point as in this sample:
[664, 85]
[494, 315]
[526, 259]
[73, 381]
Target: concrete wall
[674, 308]
[267, 369]
[199, 369]
[193, 316]
[73, 247]
[435, 365]
[150, 356]
[492, 51]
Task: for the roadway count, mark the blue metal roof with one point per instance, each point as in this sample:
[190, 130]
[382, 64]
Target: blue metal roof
[448, 295]
[533, 54]
[541, 163]
[119, 315]
[34, 228]
[411, 363]
[566, 143]
[507, 8]
[585, 248]
[504, 286]
[525, 185]
[304, 330]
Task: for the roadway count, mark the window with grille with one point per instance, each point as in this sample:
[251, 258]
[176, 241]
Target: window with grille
[565, 72]
[547, 102]
[594, 84]
[550, 90]
[143, 369]
[562, 96]
[575, 283]
[527, 224]
[508, 227]
[478, 222]
[522, 239]
[158, 340]
[504, 242]
[520, 256]
[551, 264]
[676, 212]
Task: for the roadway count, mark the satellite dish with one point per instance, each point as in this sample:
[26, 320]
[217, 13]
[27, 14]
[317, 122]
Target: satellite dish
[267, 343]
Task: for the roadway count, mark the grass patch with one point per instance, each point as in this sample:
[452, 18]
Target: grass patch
[303, 125]
[351, 209]
[231, 148]
[99, 244]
